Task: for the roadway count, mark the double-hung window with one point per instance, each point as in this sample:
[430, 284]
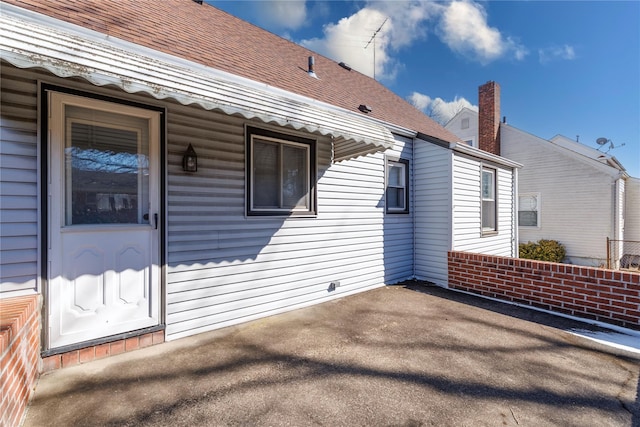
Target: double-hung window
[397, 194]
[529, 210]
[489, 205]
[281, 172]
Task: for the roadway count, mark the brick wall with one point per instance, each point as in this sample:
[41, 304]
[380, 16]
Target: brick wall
[591, 293]
[19, 355]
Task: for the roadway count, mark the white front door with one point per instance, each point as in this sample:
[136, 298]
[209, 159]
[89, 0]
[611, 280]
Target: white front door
[103, 204]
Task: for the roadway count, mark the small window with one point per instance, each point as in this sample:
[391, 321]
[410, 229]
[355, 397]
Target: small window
[529, 210]
[464, 123]
[489, 205]
[397, 196]
[469, 142]
[281, 174]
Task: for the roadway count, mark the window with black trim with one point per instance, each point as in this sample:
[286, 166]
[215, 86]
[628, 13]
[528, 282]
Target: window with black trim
[397, 179]
[489, 205]
[281, 173]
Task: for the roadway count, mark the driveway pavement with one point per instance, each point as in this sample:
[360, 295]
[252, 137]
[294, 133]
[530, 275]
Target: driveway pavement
[405, 355]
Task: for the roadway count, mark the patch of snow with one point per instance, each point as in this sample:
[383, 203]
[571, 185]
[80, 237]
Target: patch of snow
[625, 341]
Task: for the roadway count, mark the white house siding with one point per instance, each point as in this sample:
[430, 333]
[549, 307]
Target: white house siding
[222, 267]
[632, 216]
[225, 268]
[398, 228]
[468, 133]
[19, 183]
[467, 233]
[432, 169]
[581, 217]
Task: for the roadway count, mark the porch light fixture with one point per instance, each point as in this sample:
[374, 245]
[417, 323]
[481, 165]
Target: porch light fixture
[190, 160]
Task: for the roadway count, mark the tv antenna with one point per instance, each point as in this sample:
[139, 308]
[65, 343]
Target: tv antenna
[373, 39]
[604, 141]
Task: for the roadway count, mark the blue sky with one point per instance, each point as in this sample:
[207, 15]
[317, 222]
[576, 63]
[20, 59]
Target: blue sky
[565, 67]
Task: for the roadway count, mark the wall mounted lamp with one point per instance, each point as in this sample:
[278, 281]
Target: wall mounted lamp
[190, 160]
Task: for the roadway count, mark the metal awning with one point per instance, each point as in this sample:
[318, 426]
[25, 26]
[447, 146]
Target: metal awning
[32, 40]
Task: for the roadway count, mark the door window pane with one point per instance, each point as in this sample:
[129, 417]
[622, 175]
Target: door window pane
[107, 168]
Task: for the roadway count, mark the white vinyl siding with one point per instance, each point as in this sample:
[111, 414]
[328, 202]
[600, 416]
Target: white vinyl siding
[398, 230]
[19, 200]
[222, 267]
[433, 205]
[467, 232]
[578, 195]
[632, 214]
[226, 268]
[469, 133]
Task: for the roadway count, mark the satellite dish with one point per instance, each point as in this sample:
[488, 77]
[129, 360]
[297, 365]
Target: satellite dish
[601, 141]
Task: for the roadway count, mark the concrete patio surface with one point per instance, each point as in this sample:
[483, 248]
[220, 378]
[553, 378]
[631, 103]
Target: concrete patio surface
[405, 355]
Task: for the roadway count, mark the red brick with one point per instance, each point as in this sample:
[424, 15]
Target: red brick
[563, 299]
[633, 286]
[623, 305]
[102, 350]
[132, 343]
[146, 340]
[117, 347]
[632, 320]
[86, 354]
[51, 363]
[69, 359]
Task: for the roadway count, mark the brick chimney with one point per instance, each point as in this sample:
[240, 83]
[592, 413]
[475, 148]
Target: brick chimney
[489, 117]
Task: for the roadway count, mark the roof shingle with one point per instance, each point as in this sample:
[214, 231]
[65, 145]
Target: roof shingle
[209, 36]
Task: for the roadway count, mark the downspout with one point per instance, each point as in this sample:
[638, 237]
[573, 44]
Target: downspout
[618, 224]
[452, 208]
[516, 236]
[412, 197]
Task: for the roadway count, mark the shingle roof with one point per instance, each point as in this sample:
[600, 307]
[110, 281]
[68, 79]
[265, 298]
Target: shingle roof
[204, 34]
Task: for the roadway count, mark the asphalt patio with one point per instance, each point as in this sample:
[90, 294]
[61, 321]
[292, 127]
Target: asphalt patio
[404, 355]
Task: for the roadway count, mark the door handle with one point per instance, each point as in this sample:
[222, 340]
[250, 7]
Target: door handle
[155, 219]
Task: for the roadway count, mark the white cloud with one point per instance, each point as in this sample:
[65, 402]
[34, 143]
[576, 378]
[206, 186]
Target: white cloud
[408, 20]
[401, 23]
[439, 109]
[464, 28]
[461, 24]
[282, 14]
[564, 52]
[346, 40]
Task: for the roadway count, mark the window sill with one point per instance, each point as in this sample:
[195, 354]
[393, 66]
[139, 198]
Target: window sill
[280, 215]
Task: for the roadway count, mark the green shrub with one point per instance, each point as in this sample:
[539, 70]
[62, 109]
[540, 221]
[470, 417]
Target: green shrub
[543, 250]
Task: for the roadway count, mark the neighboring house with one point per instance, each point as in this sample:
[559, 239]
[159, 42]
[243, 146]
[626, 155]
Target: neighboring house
[567, 191]
[307, 185]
